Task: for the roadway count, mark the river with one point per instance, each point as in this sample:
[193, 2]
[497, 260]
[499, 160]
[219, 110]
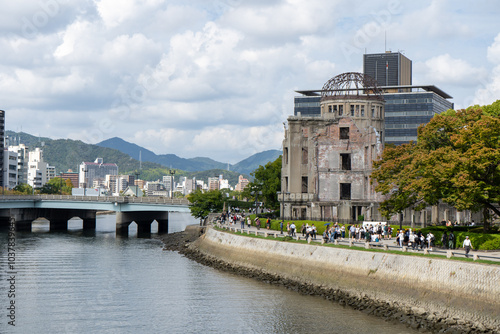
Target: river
[80, 282]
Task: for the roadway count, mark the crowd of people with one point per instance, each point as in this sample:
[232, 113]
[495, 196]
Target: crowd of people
[360, 232]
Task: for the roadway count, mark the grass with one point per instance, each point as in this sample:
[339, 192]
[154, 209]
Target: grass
[362, 249]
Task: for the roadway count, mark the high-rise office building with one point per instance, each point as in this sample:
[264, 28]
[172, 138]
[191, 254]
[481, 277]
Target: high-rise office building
[388, 68]
[407, 106]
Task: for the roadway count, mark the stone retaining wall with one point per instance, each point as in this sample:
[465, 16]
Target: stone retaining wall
[439, 289]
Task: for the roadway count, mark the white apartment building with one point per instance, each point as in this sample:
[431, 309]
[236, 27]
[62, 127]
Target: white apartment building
[9, 168]
[37, 169]
[22, 162]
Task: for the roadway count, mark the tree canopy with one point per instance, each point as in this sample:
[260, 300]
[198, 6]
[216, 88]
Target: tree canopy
[205, 203]
[267, 179]
[456, 159]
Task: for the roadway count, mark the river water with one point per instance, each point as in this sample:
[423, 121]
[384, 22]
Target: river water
[79, 282]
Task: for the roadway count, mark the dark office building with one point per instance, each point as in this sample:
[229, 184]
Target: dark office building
[389, 68]
[406, 111]
[406, 108]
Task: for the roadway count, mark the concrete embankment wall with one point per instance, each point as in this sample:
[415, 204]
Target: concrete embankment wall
[432, 287]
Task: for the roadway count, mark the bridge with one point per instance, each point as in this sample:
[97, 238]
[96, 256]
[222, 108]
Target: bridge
[58, 209]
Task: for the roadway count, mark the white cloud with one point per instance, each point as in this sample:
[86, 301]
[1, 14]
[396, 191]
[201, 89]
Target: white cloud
[217, 78]
[444, 69]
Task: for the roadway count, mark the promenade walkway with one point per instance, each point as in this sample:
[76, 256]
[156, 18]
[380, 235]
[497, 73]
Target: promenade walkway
[389, 244]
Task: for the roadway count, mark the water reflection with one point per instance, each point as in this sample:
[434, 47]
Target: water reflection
[73, 282]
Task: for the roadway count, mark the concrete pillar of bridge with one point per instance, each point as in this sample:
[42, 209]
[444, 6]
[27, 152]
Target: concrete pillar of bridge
[143, 227]
[58, 224]
[23, 225]
[4, 222]
[122, 222]
[89, 223]
[162, 219]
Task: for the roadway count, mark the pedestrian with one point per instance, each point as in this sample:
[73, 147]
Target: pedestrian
[242, 221]
[467, 246]
[444, 239]
[249, 222]
[451, 240]
[292, 229]
[268, 223]
[288, 228]
[281, 226]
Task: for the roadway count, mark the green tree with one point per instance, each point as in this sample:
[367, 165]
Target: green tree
[267, 179]
[205, 203]
[24, 189]
[456, 160]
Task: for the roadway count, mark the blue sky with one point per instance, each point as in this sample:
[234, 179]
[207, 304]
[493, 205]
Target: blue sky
[217, 78]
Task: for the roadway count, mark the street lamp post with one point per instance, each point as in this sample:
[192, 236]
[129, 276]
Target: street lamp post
[172, 173]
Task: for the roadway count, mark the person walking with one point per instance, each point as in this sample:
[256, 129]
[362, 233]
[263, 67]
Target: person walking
[281, 226]
[444, 239]
[451, 240]
[292, 229]
[467, 246]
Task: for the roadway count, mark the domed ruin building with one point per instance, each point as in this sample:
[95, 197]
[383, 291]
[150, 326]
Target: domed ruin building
[327, 160]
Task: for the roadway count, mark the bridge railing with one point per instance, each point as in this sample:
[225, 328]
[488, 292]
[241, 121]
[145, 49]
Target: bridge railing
[116, 199]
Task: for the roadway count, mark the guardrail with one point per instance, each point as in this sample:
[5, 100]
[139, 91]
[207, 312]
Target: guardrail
[116, 199]
[367, 245]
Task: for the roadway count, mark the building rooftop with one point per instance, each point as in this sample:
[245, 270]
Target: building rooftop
[428, 88]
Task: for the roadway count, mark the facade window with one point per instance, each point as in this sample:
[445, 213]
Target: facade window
[352, 109]
[357, 110]
[285, 155]
[345, 160]
[304, 185]
[362, 111]
[305, 155]
[329, 108]
[344, 133]
[341, 110]
[286, 184]
[335, 109]
[345, 191]
[373, 112]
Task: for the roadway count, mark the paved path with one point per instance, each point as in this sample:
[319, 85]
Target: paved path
[486, 255]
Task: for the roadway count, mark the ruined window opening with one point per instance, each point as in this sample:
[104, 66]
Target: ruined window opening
[304, 185]
[357, 110]
[362, 111]
[345, 161]
[341, 110]
[305, 155]
[286, 184]
[285, 155]
[352, 109]
[345, 191]
[329, 108]
[344, 133]
[373, 112]
[335, 109]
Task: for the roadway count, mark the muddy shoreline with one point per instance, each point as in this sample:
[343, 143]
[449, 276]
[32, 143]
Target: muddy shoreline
[418, 319]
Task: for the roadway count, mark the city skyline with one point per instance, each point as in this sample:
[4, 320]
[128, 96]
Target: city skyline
[217, 79]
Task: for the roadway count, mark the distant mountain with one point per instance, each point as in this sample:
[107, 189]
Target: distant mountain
[193, 164]
[252, 163]
[67, 154]
[167, 160]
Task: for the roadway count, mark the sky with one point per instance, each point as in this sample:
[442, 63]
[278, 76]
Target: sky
[217, 78]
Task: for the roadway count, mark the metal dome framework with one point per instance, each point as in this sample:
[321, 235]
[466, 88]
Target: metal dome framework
[351, 85]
